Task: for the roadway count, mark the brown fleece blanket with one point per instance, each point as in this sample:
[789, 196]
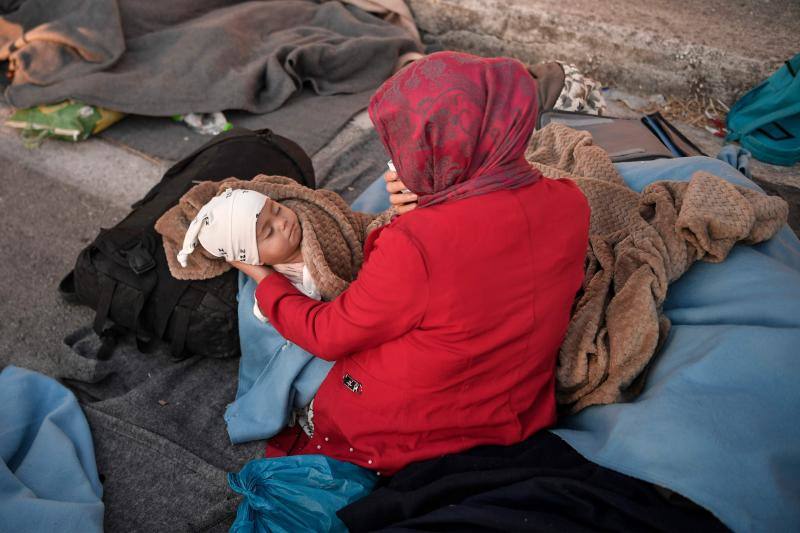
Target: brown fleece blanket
[333, 234]
[638, 245]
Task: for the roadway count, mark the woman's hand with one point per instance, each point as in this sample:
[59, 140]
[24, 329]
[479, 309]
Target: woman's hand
[402, 201]
[257, 272]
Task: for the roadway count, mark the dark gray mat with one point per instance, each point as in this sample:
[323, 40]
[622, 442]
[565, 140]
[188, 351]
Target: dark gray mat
[309, 120]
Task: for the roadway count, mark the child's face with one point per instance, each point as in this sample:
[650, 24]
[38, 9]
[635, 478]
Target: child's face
[278, 234]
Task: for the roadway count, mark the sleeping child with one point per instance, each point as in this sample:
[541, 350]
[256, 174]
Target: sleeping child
[250, 227]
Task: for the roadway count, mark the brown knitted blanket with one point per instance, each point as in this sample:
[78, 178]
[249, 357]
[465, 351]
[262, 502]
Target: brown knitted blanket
[638, 245]
[333, 234]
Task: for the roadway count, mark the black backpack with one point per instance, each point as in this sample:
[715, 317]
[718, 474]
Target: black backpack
[124, 276]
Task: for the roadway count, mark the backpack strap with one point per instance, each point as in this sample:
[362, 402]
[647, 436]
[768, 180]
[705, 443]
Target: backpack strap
[107, 285]
[144, 343]
[110, 334]
[180, 323]
[109, 340]
[169, 294]
[66, 288]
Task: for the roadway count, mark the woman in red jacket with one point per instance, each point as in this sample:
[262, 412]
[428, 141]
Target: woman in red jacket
[448, 338]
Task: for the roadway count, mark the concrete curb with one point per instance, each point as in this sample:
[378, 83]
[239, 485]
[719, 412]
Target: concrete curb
[647, 46]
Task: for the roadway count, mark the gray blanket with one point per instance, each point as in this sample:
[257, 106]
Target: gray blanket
[160, 440]
[192, 56]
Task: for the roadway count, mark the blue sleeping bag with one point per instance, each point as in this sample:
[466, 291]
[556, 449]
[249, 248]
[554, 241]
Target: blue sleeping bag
[718, 418]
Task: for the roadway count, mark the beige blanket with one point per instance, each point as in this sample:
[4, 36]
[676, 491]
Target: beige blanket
[638, 245]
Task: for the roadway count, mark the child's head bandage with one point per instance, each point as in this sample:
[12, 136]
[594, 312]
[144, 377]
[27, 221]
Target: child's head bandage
[226, 227]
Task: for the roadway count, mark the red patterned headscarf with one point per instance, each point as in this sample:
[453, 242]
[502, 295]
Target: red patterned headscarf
[457, 125]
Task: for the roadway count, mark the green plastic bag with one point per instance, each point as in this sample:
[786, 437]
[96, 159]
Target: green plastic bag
[68, 120]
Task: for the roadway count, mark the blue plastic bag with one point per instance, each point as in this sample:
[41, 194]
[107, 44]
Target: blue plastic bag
[296, 493]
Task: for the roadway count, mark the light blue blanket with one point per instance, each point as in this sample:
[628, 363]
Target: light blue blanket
[718, 418]
[275, 375]
[48, 477]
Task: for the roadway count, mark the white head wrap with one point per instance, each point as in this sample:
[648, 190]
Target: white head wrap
[226, 227]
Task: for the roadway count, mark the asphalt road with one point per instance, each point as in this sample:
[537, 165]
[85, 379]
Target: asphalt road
[45, 223]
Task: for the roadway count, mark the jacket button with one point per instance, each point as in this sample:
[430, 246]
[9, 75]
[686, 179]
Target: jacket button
[351, 449]
[327, 439]
[369, 462]
[319, 447]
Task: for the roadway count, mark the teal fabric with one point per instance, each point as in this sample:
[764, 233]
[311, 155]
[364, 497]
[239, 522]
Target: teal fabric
[48, 475]
[717, 419]
[766, 120]
[296, 493]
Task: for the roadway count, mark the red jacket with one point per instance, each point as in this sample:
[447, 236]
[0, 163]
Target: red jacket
[448, 338]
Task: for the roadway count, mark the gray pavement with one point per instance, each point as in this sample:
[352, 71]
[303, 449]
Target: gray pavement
[45, 222]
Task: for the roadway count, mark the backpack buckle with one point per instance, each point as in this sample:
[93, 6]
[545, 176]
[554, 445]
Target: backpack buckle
[140, 260]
